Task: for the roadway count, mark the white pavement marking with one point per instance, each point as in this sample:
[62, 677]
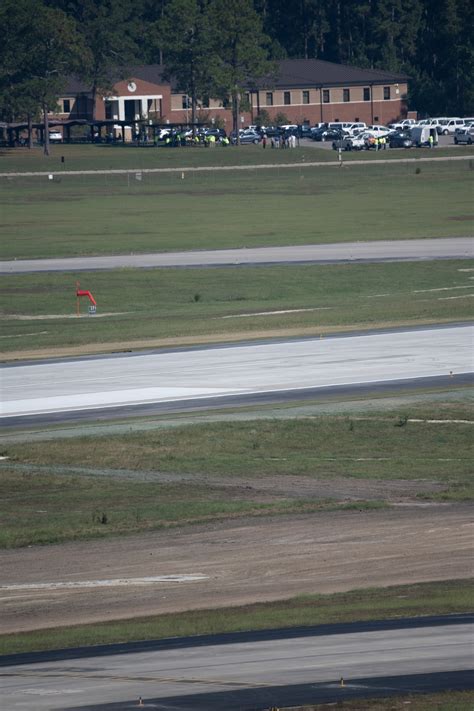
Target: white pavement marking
[115, 582]
[277, 313]
[442, 288]
[451, 298]
[42, 388]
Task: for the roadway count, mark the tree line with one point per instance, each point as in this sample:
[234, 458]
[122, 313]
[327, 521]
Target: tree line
[215, 47]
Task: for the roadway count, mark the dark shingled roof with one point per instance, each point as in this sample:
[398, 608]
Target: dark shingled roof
[152, 73]
[290, 73]
[303, 73]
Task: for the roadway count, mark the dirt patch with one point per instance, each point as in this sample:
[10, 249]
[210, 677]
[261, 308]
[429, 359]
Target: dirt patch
[50, 317]
[244, 562]
[461, 218]
[272, 488]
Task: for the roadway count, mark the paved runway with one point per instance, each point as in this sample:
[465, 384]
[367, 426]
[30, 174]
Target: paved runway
[46, 389]
[379, 251]
[236, 673]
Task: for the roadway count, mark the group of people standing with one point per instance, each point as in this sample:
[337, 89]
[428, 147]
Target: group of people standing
[281, 141]
[377, 143]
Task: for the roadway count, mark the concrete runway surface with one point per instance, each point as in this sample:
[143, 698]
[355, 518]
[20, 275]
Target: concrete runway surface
[46, 389]
[250, 674]
[377, 251]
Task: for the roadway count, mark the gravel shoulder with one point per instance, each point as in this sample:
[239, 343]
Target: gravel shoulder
[250, 560]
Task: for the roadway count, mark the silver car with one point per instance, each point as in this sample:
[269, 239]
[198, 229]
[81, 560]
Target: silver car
[465, 135]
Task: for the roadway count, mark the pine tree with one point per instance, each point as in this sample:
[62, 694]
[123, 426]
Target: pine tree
[241, 50]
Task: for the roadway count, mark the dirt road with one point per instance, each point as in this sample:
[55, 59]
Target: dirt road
[242, 562]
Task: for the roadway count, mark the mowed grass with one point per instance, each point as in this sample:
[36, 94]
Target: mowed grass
[40, 508]
[384, 447]
[233, 302]
[437, 598]
[129, 157]
[440, 701]
[100, 486]
[118, 214]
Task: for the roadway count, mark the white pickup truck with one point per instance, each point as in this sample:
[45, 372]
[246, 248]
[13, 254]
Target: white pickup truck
[349, 143]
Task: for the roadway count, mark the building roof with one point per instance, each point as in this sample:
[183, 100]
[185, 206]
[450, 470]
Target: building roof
[152, 73]
[316, 72]
[290, 73]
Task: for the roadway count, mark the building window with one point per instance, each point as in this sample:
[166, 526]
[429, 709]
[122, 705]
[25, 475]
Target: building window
[326, 96]
[205, 102]
[66, 106]
[108, 110]
[305, 97]
[386, 93]
[286, 98]
[154, 106]
[346, 94]
[366, 93]
[269, 98]
[185, 102]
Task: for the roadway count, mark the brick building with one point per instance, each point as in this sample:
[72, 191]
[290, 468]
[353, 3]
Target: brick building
[305, 90]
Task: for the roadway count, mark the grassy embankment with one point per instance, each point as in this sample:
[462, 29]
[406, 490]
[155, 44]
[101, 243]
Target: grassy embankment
[441, 701]
[437, 598]
[197, 305]
[113, 214]
[60, 490]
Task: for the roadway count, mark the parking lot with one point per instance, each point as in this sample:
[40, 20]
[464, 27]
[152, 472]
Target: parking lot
[443, 142]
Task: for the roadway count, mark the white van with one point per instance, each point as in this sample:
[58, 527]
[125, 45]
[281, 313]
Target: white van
[420, 135]
[355, 127]
[447, 126]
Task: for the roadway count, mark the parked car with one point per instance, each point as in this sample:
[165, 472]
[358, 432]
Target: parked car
[55, 136]
[378, 131]
[247, 137]
[356, 127]
[270, 131]
[447, 126]
[349, 143]
[304, 131]
[400, 139]
[402, 125]
[464, 135]
[328, 134]
[317, 133]
[217, 132]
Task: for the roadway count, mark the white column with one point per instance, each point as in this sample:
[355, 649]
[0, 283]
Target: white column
[121, 109]
[144, 107]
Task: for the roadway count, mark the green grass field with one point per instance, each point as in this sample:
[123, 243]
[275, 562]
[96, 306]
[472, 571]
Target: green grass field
[59, 490]
[210, 303]
[113, 214]
[441, 701]
[129, 157]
